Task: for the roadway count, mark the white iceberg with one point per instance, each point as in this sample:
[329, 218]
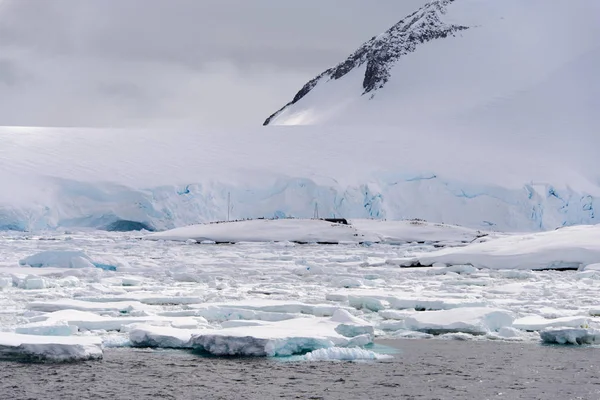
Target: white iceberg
[344, 354]
[475, 321]
[17, 347]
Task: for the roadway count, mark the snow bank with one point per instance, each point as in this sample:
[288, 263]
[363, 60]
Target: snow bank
[477, 321]
[577, 336]
[17, 347]
[569, 247]
[417, 231]
[263, 230]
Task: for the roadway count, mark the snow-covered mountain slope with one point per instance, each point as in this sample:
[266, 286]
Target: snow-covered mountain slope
[482, 66]
[164, 179]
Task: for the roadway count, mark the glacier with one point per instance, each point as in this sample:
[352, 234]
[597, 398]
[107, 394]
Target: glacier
[64, 178]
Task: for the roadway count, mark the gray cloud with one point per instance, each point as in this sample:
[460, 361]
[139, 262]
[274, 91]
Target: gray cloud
[158, 62]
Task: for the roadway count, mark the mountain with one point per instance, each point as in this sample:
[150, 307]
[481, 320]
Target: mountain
[470, 65]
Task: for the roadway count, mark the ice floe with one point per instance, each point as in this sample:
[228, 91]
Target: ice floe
[17, 347]
[576, 336]
[69, 259]
[477, 321]
[344, 354]
[538, 323]
[283, 338]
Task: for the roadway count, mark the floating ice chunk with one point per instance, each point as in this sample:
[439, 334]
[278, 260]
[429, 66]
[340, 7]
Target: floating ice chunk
[592, 267]
[47, 328]
[90, 321]
[377, 300]
[58, 258]
[161, 337]
[124, 307]
[456, 336]
[367, 302]
[349, 283]
[392, 325]
[17, 347]
[537, 323]
[343, 354]
[221, 313]
[508, 332]
[5, 282]
[148, 298]
[577, 336]
[396, 314]
[33, 282]
[274, 306]
[131, 281]
[476, 321]
[351, 326]
[238, 323]
[432, 304]
[283, 338]
[69, 259]
[457, 269]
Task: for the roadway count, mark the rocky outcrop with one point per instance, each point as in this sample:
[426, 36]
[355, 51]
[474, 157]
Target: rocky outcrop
[382, 52]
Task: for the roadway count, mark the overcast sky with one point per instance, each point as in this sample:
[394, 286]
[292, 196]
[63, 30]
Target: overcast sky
[157, 63]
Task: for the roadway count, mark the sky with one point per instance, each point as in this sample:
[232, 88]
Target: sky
[170, 63]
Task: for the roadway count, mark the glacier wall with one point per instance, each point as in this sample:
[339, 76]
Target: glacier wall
[70, 204]
[97, 178]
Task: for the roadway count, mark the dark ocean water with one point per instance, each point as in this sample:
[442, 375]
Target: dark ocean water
[421, 369]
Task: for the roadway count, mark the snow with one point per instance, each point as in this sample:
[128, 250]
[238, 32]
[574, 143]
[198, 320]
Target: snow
[569, 247]
[283, 230]
[576, 336]
[17, 347]
[477, 321]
